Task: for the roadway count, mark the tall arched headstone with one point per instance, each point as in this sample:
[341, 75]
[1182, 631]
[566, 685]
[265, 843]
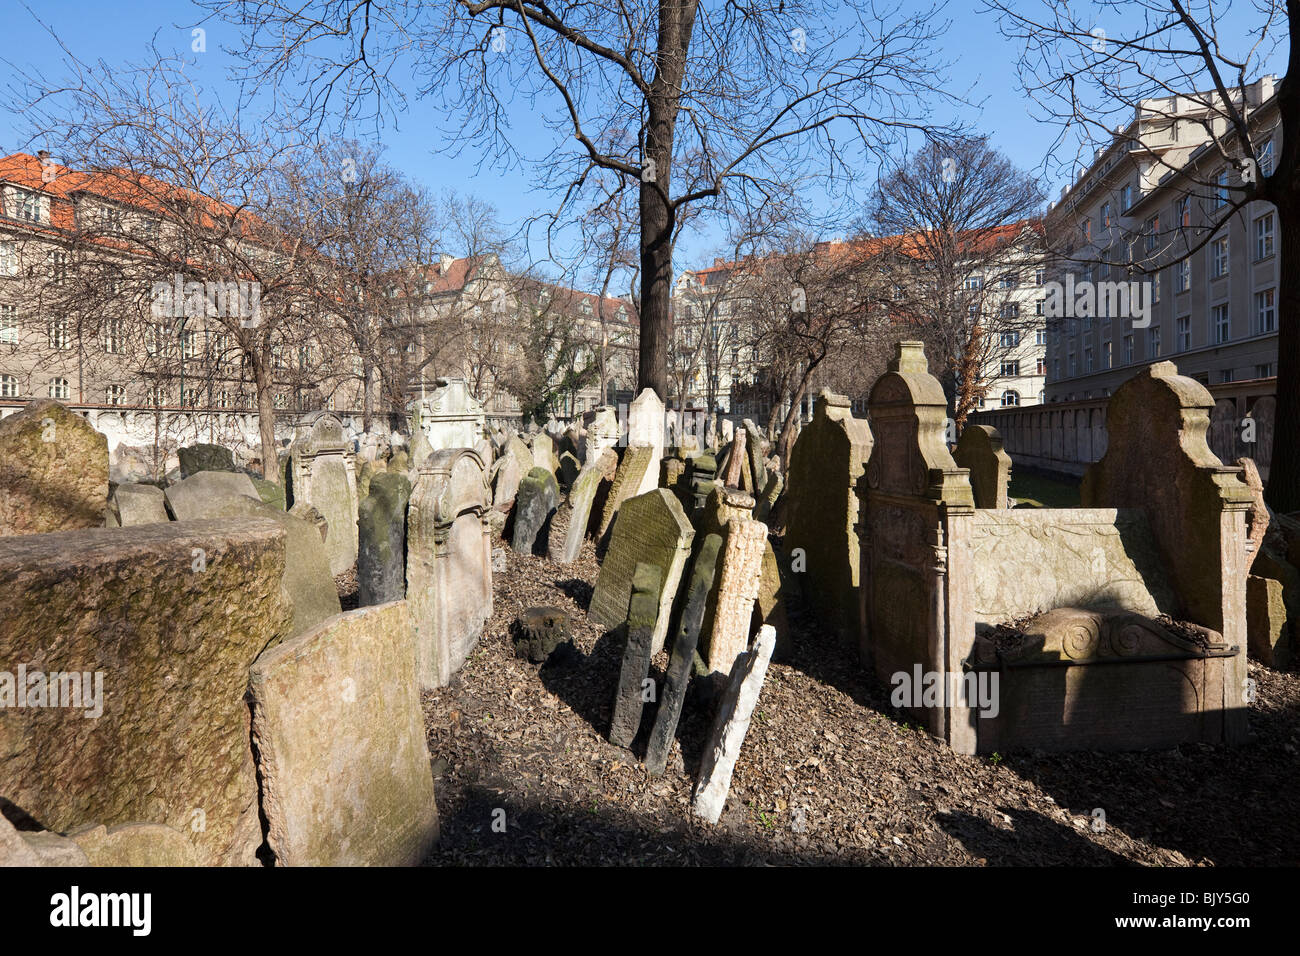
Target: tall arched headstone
[448, 562]
[322, 474]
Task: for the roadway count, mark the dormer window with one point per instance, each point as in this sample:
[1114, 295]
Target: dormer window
[27, 206]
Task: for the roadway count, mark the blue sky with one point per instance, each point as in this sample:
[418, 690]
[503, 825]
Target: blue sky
[121, 31]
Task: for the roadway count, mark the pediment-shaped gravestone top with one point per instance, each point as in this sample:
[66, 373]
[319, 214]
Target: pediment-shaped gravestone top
[321, 473]
[980, 451]
[320, 432]
[909, 416]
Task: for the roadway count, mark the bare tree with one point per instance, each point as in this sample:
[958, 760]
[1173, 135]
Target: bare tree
[684, 103]
[955, 228]
[1093, 70]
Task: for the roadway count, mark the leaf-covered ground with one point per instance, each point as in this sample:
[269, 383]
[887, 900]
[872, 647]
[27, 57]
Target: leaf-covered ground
[829, 773]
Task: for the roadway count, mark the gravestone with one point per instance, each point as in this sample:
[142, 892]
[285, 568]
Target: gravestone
[704, 473]
[134, 844]
[703, 570]
[341, 748]
[754, 450]
[534, 508]
[136, 504]
[321, 474]
[196, 496]
[539, 631]
[270, 492]
[307, 582]
[642, 614]
[645, 428]
[569, 469]
[166, 675]
[602, 432]
[508, 477]
[205, 457]
[821, 512]
[449, 416]
[544, 452]
[381, 541]
[582, 498]
[730, 726]
[630, 476]
[1271, 636]
[772, 489]
[651, 529]
[980, 450]
[53, 471]
[448, 562]
[738, 582]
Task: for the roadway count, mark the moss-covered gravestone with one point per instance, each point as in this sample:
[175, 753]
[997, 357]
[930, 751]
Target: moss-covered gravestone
[381, 540]
[53, 471]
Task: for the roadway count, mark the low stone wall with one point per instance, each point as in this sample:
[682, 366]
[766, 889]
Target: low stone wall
[1066, 437]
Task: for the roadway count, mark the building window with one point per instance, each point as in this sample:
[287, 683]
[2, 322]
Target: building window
[1128, 349]
[114, 339]
[28, 206]
[8, 325]
[1105, 215]
[223, 398]
[1219, 258]
[1185, 211]
[1152, 233]
[155, 338]
[157, 395]
[1264, 153]
[1040, 276]
[1010, 369]
[115, 395]
[1107, 355]
[58, 334]
[1220, 324]
[1125, 197]
[8, 386]
[1183, 272]
[1009, 281]
[1267, 370]
[191, 398]
[1153, 342]
[1010, 398]
[1041, 368]
[59, 388]
[1221, 189]
[1010, 339]
[974, 283]
[1040, 337]
[8, 258]
[1183, 333]
[1266, 311]
[1073, 362]
[58, 267]
[1264, 236]
[1225, 375]
[190, 344]
[1087, 358]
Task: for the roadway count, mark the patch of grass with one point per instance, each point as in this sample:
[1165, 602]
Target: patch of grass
[1044, 491]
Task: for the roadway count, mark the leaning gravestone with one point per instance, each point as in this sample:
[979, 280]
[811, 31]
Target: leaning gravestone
[980, 450]
[448, 562]
[166, 675]
[340, 744]
[683, 655]
[738, 581]
[642, 614]
[630, 476]
[651, 529]
[136, 504]
[321, 474]
[53, 471]
[506, 484]
[582, 497]
[730, 727]
[381, 541]
[196, 496]
[534, 508]
[205, 457]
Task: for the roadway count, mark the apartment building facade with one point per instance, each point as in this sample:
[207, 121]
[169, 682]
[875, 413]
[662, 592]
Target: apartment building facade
[1149, 210]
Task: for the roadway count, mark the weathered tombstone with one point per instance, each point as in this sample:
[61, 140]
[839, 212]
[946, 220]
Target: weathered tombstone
[534, 507]
[450, 416]
[772, 597]
[642, 615]
[645, 428]
[205, 457]
[704, 473]
[544, 452]
[980, 450]
[53, 471]
[738, 581]
[602, 432]
[448, 562]
[195, 496]
[162, 678]
[519, 450]
[307, 581]
[134, 844]
[506, 487]
[1270, 635]
[309, 515]
[652, 529]
[381, 541]
[630, 476]
[754, 453]
[772, 489]
[733, 473]
[582, 498]
[136, 504]
[539, 631]
[730, 726]
[321, 474]
[821, 512]
[341, 749]
[703, 570]
[270, 492]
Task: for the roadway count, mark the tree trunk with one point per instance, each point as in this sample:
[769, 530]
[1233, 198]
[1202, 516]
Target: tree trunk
[368, 396]
[785, 442]
[266, 420]
[1283, 490]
